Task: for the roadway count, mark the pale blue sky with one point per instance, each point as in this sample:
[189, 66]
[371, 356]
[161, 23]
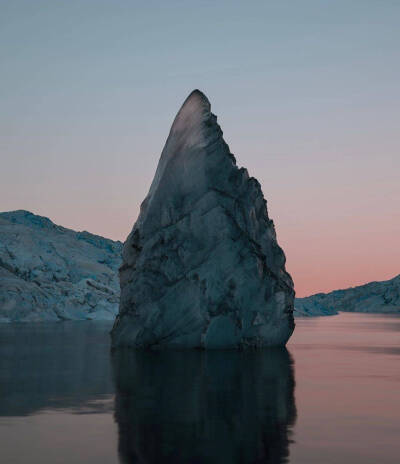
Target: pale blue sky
[307, 93]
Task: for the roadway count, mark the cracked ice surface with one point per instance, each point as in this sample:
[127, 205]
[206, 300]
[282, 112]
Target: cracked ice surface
[50, 273]
[202, 267]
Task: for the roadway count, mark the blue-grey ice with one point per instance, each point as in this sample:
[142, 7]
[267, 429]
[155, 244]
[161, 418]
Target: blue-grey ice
[374, 297]
[202, 267]
[50, 273]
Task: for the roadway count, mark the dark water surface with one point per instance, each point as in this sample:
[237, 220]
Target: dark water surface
[332, 397]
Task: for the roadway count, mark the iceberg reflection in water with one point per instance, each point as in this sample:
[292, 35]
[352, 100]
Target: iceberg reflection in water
[195, 407]
[58, 397]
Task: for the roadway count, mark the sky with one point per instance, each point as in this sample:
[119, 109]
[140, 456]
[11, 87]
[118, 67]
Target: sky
[307, 94]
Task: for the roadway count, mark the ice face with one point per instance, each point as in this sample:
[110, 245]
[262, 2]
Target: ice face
[202, 267]
[50, 273]
[374, 297]
[195, 110]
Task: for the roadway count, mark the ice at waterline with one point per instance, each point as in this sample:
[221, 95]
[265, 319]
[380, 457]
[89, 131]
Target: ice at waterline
[202, 267]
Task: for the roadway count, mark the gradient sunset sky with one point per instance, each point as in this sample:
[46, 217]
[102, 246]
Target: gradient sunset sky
[307, 94]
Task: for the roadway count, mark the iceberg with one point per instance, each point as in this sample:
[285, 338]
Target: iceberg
[202, 267]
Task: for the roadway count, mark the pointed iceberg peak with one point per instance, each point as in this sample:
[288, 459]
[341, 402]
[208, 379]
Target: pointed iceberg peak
[195, 110]
[197, 97]
[202, 267]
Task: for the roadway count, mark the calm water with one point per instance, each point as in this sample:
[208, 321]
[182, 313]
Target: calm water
[332, 397]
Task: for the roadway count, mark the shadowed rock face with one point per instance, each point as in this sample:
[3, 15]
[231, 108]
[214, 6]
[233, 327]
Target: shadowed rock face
[202, 267]
[197, 406]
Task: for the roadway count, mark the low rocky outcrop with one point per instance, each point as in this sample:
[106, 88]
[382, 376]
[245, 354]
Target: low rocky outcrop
[374, 297]
[50, 273]
[202, 267]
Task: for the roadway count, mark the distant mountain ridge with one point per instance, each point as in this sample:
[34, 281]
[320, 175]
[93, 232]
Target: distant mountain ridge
[374, 297]
[51, 273]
